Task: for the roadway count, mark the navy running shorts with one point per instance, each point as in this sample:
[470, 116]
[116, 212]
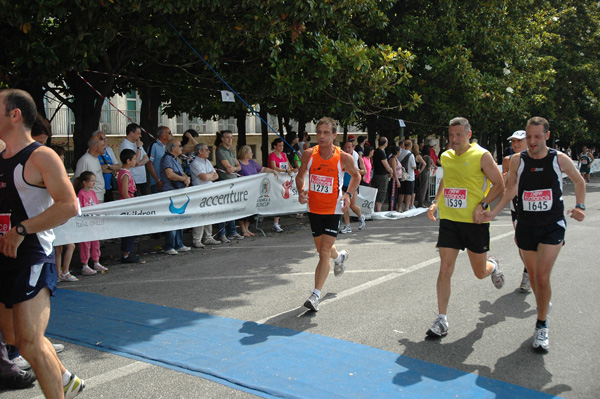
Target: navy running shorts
[25, 283]
[528, 237]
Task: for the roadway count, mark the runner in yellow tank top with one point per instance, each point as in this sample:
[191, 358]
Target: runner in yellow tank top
[463, 195]
[465, 185]
[323, 196]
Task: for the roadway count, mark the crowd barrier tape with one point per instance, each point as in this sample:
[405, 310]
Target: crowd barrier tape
[261, 194]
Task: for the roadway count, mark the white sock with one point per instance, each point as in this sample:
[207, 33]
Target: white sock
[339, 257]
[66, 378]
[443, 317]
[317, 293]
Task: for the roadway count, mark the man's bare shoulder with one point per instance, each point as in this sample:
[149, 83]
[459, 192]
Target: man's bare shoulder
[46, 159]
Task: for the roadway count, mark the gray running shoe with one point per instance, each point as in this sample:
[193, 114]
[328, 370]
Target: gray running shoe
[497, 275]
[312, 303]
[439, 328]
[525, 283]
[340, 268]
[211, 241]
[540, 339]
[361, 223]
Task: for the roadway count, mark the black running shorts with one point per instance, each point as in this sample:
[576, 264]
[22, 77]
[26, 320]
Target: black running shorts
[324, 224]
[460, 235]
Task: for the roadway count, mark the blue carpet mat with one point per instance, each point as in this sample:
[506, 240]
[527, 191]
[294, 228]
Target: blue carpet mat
[267, 361]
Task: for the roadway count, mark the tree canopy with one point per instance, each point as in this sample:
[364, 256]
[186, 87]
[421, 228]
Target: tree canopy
[494, 62]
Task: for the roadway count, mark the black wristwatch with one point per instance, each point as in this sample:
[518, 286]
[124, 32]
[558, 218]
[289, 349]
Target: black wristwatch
[580, 206]
[350, 194]
[21, 230]
[484, 205]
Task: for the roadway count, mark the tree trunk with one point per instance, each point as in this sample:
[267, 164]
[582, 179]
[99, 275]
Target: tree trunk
[241, 126]
[372, 129]
[87, 107]
[280, 123]
[301, 123]
[264, 129]
[287, 124]
[149, 117]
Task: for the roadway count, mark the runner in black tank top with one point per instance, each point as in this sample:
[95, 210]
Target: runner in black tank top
[539, 190]
[535, 176]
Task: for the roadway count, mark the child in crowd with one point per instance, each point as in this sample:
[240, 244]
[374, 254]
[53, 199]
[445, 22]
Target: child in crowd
[127, 189]
[87, 197]
[63, 253]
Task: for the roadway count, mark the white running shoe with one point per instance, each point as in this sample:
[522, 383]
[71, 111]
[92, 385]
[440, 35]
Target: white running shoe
[497, 276]
[439, 328]
[540, 339]
[361, 223]
[171, 251]
[277, 228]
[183, 249]
[21, 362]
[346, 229]
[340, 268]
[312, 303]
[525, 283]
[74, 387]
[58, 347]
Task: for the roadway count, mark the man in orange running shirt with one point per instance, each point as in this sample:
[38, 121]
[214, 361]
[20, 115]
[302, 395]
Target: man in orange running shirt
[326, 164]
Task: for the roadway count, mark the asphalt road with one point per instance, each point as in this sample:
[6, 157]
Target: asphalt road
[386, 300]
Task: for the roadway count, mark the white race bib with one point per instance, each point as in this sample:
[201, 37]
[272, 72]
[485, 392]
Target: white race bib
[321, 184]
[283, 165]
[455, 197]
[537, 200]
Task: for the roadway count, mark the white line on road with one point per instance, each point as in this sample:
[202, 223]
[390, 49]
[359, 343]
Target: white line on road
[112, 375]
[384, 279]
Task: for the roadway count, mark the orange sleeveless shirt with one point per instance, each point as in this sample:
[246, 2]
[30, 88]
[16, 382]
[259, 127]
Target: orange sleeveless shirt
[325, 179]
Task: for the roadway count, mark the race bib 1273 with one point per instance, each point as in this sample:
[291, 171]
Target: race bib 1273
[321, 184]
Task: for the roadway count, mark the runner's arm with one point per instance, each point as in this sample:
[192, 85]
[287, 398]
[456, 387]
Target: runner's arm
[568, 167]
[510, 192]
[434, 205]
[303, 195]
[44, 168]
[350, 167]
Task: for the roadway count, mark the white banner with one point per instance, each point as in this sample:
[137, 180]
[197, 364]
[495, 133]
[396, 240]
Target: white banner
[260, 194]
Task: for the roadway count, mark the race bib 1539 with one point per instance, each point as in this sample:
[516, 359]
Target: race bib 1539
[455, 197]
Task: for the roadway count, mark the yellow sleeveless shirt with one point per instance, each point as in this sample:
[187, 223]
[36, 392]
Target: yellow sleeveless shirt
[465, 184]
